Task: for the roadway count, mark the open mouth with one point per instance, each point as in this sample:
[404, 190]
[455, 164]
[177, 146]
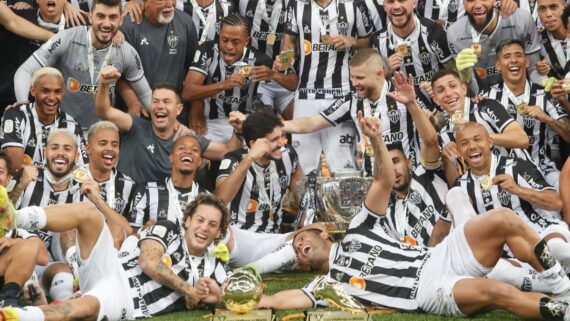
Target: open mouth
[160, 115]
[187, 160]
[479, 14]
[475, 157]
[515, 70]
[201, 238]
[108, 159]
[51, 6]
[60, 164]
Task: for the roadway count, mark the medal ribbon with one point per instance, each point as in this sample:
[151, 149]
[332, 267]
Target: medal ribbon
[526, 95]
[317, 16]
[206, 21]
[110, 190]
[260, 180]
[395, 41]
[90, 58]
[561, 54]
[476, 36]
[273, 21]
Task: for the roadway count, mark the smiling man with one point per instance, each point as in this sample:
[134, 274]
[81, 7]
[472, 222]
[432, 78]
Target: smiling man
[80, 53]
[25, 129]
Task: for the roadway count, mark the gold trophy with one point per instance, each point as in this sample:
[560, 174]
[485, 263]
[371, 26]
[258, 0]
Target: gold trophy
[241, 292]
[566, 85]
[333, 292]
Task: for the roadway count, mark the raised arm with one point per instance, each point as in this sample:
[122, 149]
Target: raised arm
[103, 108]
[379, 193]
[20, 26]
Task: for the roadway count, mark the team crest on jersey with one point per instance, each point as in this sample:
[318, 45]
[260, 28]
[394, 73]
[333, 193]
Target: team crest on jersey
[425, 58]
[120, 205]
[529, 121]
[283, 182]
[249, 13]
[172, 40]
[394, 115]
[342, 27]
[414, 197]
[504, 197]
[80, 67]
[452, 6]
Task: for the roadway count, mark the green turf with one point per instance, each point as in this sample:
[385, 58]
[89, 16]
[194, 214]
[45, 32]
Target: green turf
[277, 285]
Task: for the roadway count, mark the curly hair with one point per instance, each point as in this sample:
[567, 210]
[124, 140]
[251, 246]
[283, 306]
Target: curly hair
[211, 200]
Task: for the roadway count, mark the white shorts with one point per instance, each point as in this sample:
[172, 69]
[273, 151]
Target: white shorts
[251, 246]
[275, 95]
[561, 228]
[102, 276]
[338, 143]
[219, 130]
[450, 261]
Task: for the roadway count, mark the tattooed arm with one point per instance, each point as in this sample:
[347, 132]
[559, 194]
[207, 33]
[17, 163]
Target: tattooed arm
[151, 264]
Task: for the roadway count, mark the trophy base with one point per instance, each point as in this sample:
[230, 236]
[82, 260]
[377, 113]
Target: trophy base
[253, 315]
[337, 316]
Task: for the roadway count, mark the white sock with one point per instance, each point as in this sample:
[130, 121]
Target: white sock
[556, 280]
[31, 218]
[523, 277]
[283, 258]
[30, 313]
[61, 287]
[459, 205]
[560, 250]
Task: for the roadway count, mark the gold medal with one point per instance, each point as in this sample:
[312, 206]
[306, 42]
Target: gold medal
[326, 39]
[245, 71]
[522, 109]
[80, 176]
[402, 49]
[271, 39]
[457, 117]
[476, 48]
[369, 151]
[566, 85]
[440, 22]
[486, 183]
[28, 160]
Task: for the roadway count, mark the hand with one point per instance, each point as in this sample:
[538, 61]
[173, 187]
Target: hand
[198, 124]
[90, 188]
[277, 66]
[234, 81]
[395, 62]
[538, 114]
[508, 7]
[20, 6]
[118, 39]
[478, 99]
[343, 42]
[108, 75]
[450, 151]
[136, 108]
[236, 119]
[405, 93]
[135, 10]
[208, 291]
[73, 16]
[259, 149]
[507, 183]
[148, 224]
[191, 297]
[261, 73]
[466, 59]
[29, 174]
[16, 104]
[6, 243]
[181, 130]
[426, 87]
[543, 67]
[370, 126]
[558, 92]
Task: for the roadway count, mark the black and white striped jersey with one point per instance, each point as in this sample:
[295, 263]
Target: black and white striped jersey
[209, 62]
[151, 298]
[397, 124]
[375, 268]
[541, 137]
[444, 12]
[323, 70]
[488, 113]
[556, 51]
[260, 209]
[428, 49]
[21, 128]
[525, 174]
[413, 218]
[212, 15]
[123, 188]
[377, 14]
[266, 28]
[152, 201]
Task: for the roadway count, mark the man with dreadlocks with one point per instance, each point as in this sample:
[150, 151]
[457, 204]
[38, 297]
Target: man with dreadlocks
[224, 77]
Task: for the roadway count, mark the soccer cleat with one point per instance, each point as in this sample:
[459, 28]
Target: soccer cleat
[8, 314]
[335, 295]
[7, 212]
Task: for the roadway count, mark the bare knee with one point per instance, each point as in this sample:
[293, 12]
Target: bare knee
[506, 221]
[500, 295]
[52, 271]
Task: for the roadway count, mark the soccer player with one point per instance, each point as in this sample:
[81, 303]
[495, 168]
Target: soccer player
[445, 280]
[171, 269]
[502, 182]
[218, 83]
[415, 45]
[323, 33]
[25, 128]
[80, 53]
[166, 42]
[450, 94]
[254, 181]
[542, 118]
[474, 37]
[117, 189]
[147, 144]
[207, 16]
[553, 38]
[166, 199]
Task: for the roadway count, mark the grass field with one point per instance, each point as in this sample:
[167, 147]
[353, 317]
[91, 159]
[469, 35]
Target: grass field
[278, 282]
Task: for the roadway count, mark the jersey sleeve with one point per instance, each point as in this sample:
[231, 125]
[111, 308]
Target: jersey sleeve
[554, 109]
[133, 70]
[163, 231]
[363, 22]
[139, 213]
[291, 22]
[13, 126]
[203, 57]
[204, 143]
[531, 37]
[50, 52]
[339, 111]
[529, 176]
[495, 115]
[438, 42]
[229, 164]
